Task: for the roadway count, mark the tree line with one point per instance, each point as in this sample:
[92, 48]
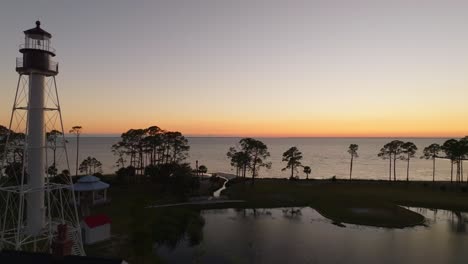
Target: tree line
[143, 150]
[452, 149]
[158, 155]
[249, 155]
[140, 148]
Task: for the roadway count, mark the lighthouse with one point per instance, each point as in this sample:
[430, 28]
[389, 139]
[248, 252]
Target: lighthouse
[36, 63]
[36, 198]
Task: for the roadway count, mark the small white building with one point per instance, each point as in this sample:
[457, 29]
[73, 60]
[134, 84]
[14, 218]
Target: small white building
[91, 188]
[95, 228]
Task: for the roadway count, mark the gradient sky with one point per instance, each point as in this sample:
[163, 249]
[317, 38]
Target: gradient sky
[252, 68]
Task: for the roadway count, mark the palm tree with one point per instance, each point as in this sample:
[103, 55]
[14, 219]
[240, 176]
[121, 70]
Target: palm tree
[409, 149]
[431, 152]
[352, 150]
[307, 171]
[77, 131]
[293, 158]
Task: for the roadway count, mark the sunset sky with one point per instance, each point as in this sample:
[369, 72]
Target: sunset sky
[252, 68]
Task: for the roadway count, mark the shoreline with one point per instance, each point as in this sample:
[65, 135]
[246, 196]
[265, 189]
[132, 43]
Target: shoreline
[344, 201]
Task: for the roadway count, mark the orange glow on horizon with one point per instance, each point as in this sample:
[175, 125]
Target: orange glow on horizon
[291, 128]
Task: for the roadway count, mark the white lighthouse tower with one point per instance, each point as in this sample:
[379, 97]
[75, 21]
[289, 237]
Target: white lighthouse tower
[34, 198]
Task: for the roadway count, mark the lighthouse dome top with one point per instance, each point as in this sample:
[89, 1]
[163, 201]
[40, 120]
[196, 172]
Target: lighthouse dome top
[37, 32]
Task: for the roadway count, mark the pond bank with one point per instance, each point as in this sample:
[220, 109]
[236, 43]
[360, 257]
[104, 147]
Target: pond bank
[338, 200]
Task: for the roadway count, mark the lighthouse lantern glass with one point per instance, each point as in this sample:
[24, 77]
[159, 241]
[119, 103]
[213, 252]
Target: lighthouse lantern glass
[35, 41]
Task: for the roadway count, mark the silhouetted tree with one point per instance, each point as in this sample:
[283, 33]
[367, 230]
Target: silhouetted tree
[150, 147]
[91, 165]
[63, 177]
[385, 153]
[177, 146]
[464, 154]
[431, 152]
[392, 151]
[409, 150]
[202, 169]
[352, 150]
[118, 150]
[77, 131]
[456, 151]
[293, 158]
[3, 138]
[240, 160]
[53, 138]
[307, 171]
[4, 132]
[12, 158]
[257, 153]
[450, 148]
[396, 146]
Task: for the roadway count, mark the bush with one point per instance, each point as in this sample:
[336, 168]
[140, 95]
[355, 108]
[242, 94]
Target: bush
[161, 173]
[182, 181]
[123, 174]
[177, 178]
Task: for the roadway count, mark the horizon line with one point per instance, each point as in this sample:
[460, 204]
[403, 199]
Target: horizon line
[264, 136]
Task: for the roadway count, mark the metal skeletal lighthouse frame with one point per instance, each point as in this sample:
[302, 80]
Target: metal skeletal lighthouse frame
[34, 197]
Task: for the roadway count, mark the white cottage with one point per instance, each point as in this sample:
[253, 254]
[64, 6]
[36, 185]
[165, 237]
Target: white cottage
[95, 228]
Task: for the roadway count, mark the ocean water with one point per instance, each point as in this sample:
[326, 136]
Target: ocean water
[326, 156]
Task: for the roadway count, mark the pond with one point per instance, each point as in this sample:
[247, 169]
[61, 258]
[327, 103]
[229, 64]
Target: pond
[302, 235]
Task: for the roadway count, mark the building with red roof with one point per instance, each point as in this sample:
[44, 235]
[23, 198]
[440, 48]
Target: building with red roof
[96, 228]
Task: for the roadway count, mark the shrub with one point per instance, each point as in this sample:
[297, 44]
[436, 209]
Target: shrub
[124, 174]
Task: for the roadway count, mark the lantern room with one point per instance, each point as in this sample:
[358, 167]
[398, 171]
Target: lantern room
[37, 52]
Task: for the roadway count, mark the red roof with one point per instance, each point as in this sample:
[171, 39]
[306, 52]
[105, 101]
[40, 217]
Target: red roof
[97, 220]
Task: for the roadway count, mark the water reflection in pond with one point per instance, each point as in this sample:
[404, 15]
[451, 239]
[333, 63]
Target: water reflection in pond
[301, 235]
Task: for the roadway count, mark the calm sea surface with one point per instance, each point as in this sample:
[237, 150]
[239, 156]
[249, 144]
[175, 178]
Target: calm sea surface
[326, 156]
